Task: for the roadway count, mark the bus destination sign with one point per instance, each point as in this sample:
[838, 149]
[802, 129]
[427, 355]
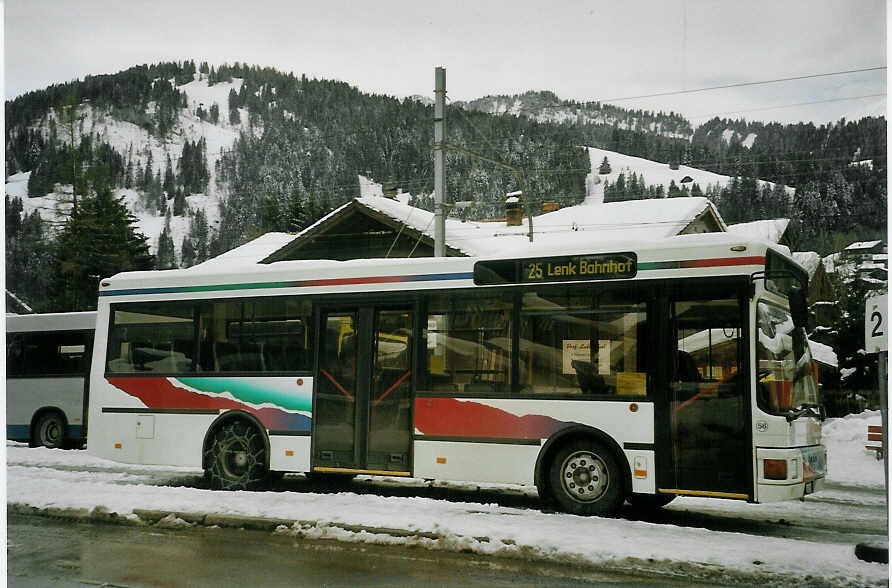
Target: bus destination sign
[541, 270]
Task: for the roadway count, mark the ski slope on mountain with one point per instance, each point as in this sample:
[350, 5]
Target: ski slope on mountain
[654, 172]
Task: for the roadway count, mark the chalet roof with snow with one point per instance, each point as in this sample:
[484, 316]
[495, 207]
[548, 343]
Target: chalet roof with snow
[372, 227]
[859, 246]
[771, 230]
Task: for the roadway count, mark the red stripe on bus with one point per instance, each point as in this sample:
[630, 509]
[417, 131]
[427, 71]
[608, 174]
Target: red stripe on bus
[874, 428]
[348, 281]
[752, 260]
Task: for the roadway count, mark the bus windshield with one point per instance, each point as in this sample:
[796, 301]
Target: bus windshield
[786, 374]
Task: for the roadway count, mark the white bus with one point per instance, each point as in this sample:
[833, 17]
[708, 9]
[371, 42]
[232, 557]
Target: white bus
[638, 371]
[47, 367]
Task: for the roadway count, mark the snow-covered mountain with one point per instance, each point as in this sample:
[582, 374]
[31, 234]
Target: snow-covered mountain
[545, 106]
[129, 138]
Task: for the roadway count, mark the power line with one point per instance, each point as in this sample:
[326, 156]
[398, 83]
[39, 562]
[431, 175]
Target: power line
[791, 105]
[737, 85]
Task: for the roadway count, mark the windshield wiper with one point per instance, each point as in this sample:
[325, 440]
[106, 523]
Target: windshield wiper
[814, 410]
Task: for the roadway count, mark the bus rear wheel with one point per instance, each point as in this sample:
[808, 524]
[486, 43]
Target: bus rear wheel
[49, 431]
[586, 479]
[236, 457]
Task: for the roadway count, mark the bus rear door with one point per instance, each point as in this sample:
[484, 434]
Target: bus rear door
[362, 405]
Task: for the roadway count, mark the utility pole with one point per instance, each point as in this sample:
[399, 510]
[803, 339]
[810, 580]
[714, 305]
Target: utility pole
[439, 180]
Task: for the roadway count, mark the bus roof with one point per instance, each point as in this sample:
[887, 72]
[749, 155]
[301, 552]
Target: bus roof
[56, 321]
[662, 257]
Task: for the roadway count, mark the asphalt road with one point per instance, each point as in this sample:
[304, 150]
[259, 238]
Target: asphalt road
[44, 552]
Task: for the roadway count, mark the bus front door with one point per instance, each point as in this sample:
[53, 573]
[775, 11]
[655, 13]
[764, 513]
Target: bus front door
[708, 416]
[361, 410]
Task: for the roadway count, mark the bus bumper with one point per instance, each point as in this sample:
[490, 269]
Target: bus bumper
[776, 492]
[789, 473]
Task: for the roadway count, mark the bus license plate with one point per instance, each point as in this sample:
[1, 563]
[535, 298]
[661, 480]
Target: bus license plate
[809, 487]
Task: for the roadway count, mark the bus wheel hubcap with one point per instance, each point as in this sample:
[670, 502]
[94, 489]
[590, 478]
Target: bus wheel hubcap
[584, 476]
[51, 431]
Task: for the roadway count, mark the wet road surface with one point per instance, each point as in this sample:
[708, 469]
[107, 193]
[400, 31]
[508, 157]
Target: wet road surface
[44, 552]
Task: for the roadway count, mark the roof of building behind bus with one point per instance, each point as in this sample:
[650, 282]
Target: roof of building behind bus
[770, 230]
[575, 227]
[579, 225]
[242, 269]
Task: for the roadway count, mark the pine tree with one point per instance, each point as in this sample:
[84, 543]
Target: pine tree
[128, 175]
[197, 239]
[849, 344]
[166, 256]
[674, 191]
[29, 259]
[169, 179]
[179, 203]
[148, 173]
[605, 166]
[156, 193]
[187, 252]
[97, 241]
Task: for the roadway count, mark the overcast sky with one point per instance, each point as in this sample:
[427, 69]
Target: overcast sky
[581, 50]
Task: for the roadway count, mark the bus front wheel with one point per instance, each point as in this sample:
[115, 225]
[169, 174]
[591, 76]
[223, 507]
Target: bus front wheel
[586, 479]
[236, 457]
[49, 431]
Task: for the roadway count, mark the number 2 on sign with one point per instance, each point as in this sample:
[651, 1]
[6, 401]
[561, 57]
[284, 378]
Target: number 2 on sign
[877, 318]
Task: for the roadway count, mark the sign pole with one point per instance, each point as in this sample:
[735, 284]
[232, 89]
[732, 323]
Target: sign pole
[876, 340]
[884, 412]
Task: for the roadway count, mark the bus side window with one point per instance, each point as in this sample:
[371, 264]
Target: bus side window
[469, 343]
[15, 355]
[576, 341]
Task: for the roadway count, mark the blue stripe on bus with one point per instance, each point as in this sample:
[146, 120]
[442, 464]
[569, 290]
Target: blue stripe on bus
[23, 432]
[293, 284]
[18, 432]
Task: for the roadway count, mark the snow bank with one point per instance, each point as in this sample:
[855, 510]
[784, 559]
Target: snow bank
[47, 479]
[848, 461]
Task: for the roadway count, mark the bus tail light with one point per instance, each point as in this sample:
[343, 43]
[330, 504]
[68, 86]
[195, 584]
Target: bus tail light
[775, 469]
[640, 467]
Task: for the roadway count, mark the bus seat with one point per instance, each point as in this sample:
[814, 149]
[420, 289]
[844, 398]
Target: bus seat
[589, 381]
[686, 370]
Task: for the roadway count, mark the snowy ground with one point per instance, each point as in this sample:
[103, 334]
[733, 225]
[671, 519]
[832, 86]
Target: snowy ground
[75, 480]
